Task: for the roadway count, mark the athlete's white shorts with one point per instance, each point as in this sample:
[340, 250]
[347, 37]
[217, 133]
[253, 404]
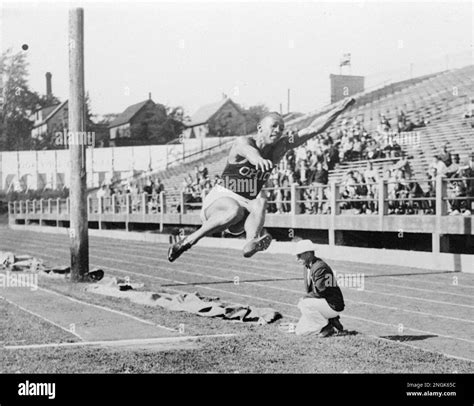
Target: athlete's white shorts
[219, 191]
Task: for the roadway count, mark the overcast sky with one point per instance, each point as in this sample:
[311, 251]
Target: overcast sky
[189, 54]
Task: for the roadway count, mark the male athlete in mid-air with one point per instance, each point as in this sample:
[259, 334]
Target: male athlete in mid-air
[241, 207]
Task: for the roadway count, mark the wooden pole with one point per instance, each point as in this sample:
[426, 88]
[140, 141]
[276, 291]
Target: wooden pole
[78, 232]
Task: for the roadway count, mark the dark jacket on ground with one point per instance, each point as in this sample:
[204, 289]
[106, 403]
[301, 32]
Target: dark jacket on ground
[322, 284]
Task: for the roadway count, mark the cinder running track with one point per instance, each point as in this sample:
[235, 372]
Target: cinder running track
[432, 310]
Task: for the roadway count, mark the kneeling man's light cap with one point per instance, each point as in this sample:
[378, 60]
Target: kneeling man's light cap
[303, 246]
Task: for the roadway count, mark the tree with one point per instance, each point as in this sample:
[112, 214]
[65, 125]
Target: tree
[160, 126]
[253, 115]
[18, 103]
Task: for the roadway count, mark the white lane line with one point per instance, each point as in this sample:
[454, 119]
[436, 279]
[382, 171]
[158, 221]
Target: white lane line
[42, 318]
[127, 342]
[460, 285]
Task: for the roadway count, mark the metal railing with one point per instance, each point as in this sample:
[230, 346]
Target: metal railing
[290, 200]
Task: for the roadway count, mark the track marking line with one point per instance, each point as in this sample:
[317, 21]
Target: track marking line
[42, 318]
[132, 341]
[108, 309]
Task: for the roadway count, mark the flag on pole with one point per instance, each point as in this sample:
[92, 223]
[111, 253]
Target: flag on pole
[345, 60]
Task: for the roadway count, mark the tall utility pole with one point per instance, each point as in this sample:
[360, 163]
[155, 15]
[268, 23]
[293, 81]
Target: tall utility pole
[78, 232]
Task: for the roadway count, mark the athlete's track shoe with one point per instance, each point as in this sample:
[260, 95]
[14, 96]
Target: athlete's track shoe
[336, 323]
[177, 249]
[257, 244]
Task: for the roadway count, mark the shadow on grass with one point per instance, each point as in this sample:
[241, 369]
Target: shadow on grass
[408, 338]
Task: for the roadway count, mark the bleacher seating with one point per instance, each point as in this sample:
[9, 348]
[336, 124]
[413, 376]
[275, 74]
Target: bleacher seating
[439, 97]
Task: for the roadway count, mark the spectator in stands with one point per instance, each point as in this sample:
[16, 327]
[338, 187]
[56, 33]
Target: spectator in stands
[361, 192]
[203, 172]
[445, 156]
[453, 170]
[373, 152]
[319, 181]
[371, 177]
[458, 205]
[438, 164]
[431, 192]
[414, 192]
[401, 121]
[148, 188]
[401, 192]
[332, 156]
[291, 157]
[159, 187]
[403, 164]
[384, 123]
[356, 149]
[392, 148]
[468, 173]
[396, 149]
[348, 190]
[389, 177]
[420, 121]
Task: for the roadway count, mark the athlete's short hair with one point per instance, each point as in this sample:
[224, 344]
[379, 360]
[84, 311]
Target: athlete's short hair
[272, 114]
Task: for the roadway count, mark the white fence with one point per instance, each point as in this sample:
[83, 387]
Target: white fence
[50, 168]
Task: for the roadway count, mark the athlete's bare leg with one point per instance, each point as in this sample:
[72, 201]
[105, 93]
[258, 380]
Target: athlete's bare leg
[253, 228]
[256, 218]
[223, 213]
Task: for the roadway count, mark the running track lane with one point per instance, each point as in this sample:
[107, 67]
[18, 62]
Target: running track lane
[422, 303]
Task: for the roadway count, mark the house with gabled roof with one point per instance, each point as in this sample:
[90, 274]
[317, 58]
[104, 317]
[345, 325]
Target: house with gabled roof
[219, 119]
[50, 119]
[127, 125]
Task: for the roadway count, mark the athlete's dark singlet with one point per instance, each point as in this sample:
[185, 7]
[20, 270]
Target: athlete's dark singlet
[238, 176]
[244, 179]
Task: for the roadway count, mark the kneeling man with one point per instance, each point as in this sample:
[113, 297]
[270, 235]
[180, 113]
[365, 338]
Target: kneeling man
[323, 302]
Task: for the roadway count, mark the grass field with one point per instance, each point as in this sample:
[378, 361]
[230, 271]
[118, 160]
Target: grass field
[405, 319]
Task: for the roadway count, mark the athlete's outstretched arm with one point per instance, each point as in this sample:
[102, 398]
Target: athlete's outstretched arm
[243, 148]
[319, 125]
